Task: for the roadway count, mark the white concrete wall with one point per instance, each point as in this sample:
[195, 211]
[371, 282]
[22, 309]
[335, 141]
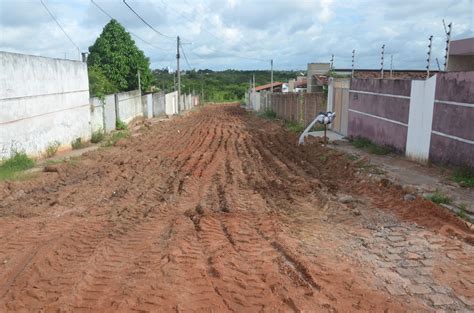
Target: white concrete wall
[420, 118]
[171, 103]
[42, 100]
[103, 113]
[129, 105]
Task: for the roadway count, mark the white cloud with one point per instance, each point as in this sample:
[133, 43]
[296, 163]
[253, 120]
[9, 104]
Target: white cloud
[229, 34]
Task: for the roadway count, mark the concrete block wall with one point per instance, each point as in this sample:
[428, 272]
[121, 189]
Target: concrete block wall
[103, 113]
[42, 100]
[427, 119]
[379, 109]
[158, 104]
[128, 105]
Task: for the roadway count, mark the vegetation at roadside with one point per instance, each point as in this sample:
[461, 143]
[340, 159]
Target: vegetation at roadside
[114, 62]
[464, 177]
[97, 136]
[294, 127]
[268, 113]
[369, 146]
[52, 149]
[439, 197]
[18, 162]
[218, 86]
[77, 144]
[120, 125]
[112, 139]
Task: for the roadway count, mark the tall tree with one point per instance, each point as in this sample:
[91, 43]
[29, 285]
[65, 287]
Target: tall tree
[119, 59]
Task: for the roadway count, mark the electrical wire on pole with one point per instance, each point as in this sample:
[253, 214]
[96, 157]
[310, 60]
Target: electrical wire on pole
[145, 22]
[185, 57]
[59, 25]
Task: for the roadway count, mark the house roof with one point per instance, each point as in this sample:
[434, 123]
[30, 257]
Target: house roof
[268, 86]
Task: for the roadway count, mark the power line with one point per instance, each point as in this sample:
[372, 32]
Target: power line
[59, 25]
[146, 23]
[186, 58]
[133, 34]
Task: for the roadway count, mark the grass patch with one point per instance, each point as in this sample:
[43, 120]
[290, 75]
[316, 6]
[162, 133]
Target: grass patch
[52, 149]
[120, 125]
[439, 197]
[116, 136]
[97, 136]
[369, 146]
[77, 144]
[464, 177]
[18, 162]
[294, 127]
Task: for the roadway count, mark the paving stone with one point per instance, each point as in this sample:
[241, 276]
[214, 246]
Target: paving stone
[427, 262]
[392, 257]
[409, 263]
[418, 289]
[425, 270]
[413, 256]
[397, 244]
[395, 290]
[467, 301]
[440, 289]
[422, 279]
[416, 249]
[383, 264]
[440, 299]
[395, 250]
[396, 238]
[407, 272]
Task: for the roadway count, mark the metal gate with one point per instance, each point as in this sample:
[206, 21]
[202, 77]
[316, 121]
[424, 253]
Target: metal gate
[339, 102]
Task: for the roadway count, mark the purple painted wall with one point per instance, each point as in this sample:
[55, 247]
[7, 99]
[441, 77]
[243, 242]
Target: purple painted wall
[378, 131]
[447, 151]
[397, 109]
[401, 87]
[454, 120]
[392, 108]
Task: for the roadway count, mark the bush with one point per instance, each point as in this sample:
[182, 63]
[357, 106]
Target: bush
[77, 143]
[120, 125]
[97, 136]
[52, 149]
[99, 86]
[18, 161]
[269, 113]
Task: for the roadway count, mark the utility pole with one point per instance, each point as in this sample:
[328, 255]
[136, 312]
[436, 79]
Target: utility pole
[332, 63]
[381, 63]
[353, 55]
[179, 75]
[253, 84]
[271, 65]
[139, 82]
[429, 58]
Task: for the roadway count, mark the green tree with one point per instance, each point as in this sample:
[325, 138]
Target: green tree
[115, 54]
[99, 85]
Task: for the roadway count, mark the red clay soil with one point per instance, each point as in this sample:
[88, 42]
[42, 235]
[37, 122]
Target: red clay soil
[217, 211]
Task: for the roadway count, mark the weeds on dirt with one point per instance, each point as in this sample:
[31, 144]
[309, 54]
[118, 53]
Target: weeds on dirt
[77, 144]
[97, 136]
[439, 197]
[369, 168]
[369, 146]
[268, 113]
[116, 136]
[294, 127]
[18, 162]
[52, 149]
[120, 125]
[463, 214]
[464, 177]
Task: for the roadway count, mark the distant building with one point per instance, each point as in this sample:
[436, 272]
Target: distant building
[277, 87]
[316, 69]
[461, 55]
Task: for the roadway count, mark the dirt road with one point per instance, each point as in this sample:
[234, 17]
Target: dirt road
[221, 211]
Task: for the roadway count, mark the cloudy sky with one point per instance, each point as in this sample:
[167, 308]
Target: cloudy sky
[245, 34]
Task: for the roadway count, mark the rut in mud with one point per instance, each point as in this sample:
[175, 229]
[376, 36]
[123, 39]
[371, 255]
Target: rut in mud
[215, 211]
